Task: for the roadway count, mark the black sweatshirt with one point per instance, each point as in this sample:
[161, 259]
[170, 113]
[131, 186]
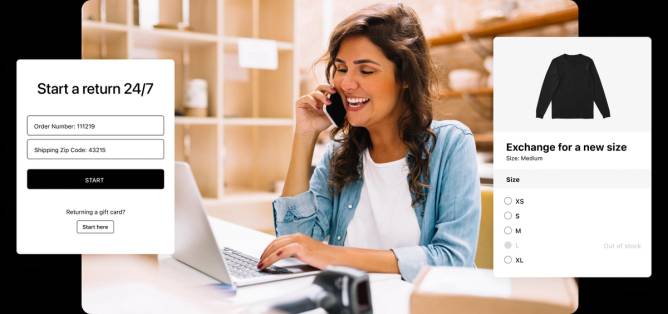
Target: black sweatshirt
[572, 84]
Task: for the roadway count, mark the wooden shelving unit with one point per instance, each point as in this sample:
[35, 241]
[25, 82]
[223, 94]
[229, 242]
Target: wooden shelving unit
[259, 121]
[482, 91]
[182, 120]
[484, 140]
[510, 26]
[242, 147]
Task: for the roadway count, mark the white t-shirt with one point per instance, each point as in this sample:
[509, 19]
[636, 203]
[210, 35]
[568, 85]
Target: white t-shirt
[384, 218]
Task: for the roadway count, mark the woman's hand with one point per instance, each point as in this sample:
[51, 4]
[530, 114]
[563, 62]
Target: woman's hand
[303, 247]
[309, 115]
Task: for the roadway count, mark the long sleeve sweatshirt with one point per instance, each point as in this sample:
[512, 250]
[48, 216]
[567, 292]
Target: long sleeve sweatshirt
[573, 86]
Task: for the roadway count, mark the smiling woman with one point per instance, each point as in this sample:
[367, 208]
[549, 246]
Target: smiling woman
[395, 190]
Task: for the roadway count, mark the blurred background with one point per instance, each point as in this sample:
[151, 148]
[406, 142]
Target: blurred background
[235, 120]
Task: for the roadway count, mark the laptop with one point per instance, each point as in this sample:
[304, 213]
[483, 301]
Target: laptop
[196, 245]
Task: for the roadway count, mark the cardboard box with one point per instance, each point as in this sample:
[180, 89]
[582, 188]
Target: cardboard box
[468, 290]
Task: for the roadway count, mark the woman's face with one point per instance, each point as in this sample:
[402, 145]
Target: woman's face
[365, 79]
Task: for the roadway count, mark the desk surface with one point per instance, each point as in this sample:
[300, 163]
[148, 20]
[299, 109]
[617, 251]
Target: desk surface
[150, 283]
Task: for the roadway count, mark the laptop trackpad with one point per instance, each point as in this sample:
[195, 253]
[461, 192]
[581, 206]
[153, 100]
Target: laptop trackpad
[290, 261]
[295, 266]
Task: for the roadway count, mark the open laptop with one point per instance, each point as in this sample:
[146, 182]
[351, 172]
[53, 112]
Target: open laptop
[196, 245]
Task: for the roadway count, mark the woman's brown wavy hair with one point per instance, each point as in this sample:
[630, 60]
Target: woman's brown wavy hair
[396, 30]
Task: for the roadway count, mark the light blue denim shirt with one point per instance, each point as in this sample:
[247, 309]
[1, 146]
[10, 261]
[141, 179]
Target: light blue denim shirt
[449, 218]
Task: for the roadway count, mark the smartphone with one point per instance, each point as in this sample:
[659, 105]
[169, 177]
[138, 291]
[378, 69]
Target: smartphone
[335, 111]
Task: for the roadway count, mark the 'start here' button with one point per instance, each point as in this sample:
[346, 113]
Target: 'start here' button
[95, 226]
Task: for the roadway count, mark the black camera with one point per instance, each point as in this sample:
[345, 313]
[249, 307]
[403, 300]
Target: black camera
[337, 289]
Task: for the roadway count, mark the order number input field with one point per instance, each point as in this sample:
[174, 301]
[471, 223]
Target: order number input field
[95, 156]
[96, 125]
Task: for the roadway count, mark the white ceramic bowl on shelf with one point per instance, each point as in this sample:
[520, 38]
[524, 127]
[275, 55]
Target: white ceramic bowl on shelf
[463, 79]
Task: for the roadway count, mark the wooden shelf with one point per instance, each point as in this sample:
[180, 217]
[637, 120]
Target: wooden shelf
[170, 39]
[258, 121]
[482, 91]
[97, 32]
[197, 120]
[183, 120]
[231, 43]
[95, 26]
[510, 26]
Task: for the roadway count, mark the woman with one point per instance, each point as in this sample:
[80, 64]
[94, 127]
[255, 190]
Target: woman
[395, 190]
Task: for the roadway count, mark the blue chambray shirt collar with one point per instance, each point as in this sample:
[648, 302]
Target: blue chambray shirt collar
[430, 143]
[410, 159]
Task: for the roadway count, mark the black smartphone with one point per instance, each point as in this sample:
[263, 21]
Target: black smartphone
[335, 111]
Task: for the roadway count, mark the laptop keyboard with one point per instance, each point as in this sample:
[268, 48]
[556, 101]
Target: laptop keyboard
[241, 265]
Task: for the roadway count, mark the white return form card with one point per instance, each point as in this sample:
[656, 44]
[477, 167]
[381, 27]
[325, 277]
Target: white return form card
[95, 156]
